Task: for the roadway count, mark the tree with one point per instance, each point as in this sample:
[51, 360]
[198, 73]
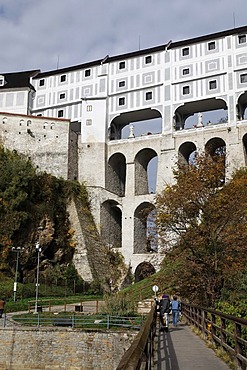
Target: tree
[204, 228]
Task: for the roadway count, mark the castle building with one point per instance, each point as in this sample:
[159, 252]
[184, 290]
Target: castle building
[183, 86]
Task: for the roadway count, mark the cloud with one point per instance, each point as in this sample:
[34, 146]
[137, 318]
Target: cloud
[36, 34]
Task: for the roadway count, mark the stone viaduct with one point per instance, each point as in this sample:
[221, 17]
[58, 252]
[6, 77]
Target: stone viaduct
[121, 123]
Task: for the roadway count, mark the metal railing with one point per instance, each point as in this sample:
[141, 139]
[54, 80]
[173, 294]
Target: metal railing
[225, 331]
[77, 321]
[140, 354]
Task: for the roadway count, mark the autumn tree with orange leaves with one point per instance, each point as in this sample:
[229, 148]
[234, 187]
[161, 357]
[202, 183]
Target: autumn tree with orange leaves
[203, 224]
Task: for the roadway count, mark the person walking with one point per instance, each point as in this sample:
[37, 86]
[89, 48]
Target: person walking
[165, 306]
[175, 310]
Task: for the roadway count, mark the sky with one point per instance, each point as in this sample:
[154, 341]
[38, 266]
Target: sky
[51, 34]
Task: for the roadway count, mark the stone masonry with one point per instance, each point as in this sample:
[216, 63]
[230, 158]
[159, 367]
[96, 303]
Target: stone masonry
[62, 349]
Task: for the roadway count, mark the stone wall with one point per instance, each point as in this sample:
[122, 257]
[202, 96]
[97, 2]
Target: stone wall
[45, 141]
[63, 349]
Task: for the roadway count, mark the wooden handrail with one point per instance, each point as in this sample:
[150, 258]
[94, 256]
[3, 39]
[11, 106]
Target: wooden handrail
[223, 330]
[141, 349]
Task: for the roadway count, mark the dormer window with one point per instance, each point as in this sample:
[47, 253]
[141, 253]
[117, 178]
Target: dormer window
[1, 80]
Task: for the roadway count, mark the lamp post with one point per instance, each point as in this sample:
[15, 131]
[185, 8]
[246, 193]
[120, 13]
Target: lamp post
[17, 251]
[38, 249]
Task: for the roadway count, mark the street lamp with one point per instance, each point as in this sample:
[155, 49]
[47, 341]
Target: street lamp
[17, 251]
[38, 249]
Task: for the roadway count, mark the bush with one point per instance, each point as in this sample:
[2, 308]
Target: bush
[119, 305]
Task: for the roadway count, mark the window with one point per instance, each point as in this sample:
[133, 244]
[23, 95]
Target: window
[87, 73]
[62, 96]
[186, 71]
[60, 113]
[41, 82]
[212, 85]
[89, 122]
[186, 90]
[148, 59]
[89, 108]
[121, 84]
[121, 65]
[243, 78]
[63, 78]
[185, 51]
[1, 80]
[211, 45]
[121, 101]
[241, 39]
[149, 95]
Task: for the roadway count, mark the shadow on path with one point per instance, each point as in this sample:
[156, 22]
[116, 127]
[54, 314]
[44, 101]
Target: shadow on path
[166, 352]
[181, 349]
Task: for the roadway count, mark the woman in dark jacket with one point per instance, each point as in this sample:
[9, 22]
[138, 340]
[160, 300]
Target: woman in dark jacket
[164, 308]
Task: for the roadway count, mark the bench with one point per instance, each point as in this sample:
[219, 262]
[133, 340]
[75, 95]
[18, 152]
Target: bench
[63, 322]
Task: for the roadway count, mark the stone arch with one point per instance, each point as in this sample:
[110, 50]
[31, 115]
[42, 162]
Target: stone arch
[141, 242]
[111, 224]
[186, 153]
[216, 147]
[142, 176]
[124, 119]
[241, 106]
[245, 148]
[116, 174]
[144, 270]
[205, 106]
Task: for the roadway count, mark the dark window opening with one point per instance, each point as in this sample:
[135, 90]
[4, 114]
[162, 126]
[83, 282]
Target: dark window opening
[121, 101]
[87, 72]
[242, 39]
[63, 78]
[148, 59]
[243, 78]
[149, 95]
[121, 65]
[186, 90]
[41, 82]
[186, 71]
[212, 85]
[185, 52]
[60, 113]
[211, 45]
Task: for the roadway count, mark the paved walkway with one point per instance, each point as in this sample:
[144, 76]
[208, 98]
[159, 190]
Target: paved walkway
[181, 349]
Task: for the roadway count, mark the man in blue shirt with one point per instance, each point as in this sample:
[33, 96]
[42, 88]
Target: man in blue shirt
[175, 309]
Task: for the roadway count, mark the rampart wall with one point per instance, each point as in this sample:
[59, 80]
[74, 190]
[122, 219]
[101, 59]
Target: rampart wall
[45, 141]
